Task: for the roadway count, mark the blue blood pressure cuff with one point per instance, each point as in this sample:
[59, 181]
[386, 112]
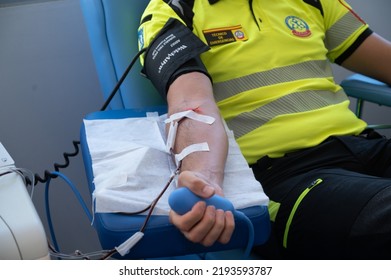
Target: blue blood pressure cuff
[174, 51]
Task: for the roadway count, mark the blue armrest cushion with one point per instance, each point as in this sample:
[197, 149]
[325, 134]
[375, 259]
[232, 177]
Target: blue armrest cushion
[366, 88]
[161, 238]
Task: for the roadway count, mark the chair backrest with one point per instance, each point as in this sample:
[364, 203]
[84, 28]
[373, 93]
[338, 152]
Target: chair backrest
[112, 30]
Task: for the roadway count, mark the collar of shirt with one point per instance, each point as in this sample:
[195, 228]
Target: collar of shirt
[213, 1]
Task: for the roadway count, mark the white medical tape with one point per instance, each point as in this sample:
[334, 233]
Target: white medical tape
[171, 136]
[173, 121]
[191, 115]
[200, 147]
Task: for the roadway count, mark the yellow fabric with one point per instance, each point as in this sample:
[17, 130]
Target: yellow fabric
[273, 208]
[273, 34]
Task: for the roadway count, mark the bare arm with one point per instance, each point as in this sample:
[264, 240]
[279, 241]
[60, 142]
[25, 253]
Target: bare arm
[202, 172]
[372, 58]
[190, 91]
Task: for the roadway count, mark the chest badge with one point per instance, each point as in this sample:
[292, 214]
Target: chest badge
[225, 35]
[298, 26]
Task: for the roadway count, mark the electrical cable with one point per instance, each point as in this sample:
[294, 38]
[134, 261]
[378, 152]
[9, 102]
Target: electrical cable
[77, 255]
[121, 80]
[103, 254]
[47, 174]
[27, 175]
[106, 253]
[54, 249]
[5, 173]
[47, 206]
[51, 175]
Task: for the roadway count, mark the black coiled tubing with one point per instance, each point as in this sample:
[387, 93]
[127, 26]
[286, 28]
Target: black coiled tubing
[47, 174]
[57, 166]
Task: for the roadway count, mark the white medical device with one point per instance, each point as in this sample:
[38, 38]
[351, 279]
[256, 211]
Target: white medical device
[22, 235]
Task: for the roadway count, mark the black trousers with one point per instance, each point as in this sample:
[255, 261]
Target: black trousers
[335, 200]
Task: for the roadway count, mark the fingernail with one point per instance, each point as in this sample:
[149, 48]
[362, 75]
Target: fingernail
[208, 190]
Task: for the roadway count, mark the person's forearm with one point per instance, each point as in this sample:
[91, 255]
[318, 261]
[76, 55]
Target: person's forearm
[194, 91]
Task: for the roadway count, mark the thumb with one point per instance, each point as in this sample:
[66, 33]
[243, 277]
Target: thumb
[195, 183]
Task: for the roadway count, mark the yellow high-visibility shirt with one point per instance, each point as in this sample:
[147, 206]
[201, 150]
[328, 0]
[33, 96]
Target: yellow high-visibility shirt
[270, 65]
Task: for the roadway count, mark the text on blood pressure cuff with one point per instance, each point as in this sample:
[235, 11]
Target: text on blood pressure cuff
[173, 52]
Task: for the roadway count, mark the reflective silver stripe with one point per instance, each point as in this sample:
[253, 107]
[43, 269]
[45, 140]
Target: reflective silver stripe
[304, 70]
[341, 30]
[293, 103]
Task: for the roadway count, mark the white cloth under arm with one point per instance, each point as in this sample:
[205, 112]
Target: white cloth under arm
[131, 165]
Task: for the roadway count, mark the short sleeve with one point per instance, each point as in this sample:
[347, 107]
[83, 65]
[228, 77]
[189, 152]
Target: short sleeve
[344, 28]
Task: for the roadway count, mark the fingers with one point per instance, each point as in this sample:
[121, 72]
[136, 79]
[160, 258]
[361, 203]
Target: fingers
[208, 229]
[205, 225]
[229, 228]
[187, 221]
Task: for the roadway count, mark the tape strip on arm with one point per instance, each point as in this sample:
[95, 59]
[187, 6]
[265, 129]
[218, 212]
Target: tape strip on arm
[173, 52]
[174, 119]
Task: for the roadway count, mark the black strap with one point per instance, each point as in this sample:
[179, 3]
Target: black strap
[316, 4]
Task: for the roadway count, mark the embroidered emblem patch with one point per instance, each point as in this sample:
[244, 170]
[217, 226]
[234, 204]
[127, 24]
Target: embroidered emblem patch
[225, 35]
[298, 26]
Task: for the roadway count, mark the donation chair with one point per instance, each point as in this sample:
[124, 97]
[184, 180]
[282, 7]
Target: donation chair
[112, 30]
[365, 89]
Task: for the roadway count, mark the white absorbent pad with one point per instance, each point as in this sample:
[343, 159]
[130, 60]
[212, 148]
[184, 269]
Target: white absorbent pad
[131, 166]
